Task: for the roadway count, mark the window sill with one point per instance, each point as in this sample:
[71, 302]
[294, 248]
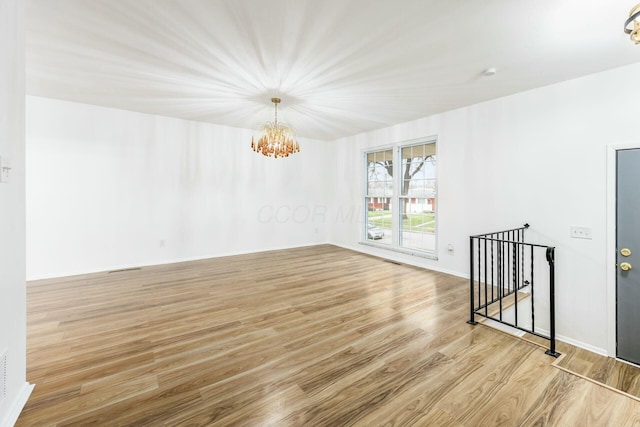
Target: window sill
[412, 252]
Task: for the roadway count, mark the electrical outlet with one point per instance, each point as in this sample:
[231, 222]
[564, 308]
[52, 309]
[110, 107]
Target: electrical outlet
[579, 232]
[5, 170]
[162, 243]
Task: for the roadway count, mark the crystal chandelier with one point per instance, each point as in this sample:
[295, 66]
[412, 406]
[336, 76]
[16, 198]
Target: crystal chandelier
[632, 25]
[277, 139]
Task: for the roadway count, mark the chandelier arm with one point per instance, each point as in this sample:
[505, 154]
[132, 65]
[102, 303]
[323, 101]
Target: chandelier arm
[632, 18]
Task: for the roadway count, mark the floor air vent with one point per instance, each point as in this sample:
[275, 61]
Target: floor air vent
[124, 269]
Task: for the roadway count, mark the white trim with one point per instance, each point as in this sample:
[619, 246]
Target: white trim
[501, 327]
[402, 250]
[15, 409]
[575, 343]
[167, 261]
[611, 243]
[386, 253]
[580, 344]
[202, 257]
[559, 338]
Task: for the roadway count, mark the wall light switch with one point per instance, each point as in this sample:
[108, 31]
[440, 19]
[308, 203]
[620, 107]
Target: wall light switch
[578, 232]
[5, 170]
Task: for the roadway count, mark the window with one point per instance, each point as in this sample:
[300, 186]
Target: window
[378, 196]
[417, 198]
[412, 225]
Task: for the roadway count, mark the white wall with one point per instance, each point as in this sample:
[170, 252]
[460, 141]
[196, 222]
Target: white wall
[12, 211]
[105, 186]
[536, 157]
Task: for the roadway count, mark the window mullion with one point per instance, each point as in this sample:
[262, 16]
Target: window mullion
[397, 182]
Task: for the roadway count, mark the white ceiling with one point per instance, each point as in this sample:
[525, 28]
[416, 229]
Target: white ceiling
[341, 67]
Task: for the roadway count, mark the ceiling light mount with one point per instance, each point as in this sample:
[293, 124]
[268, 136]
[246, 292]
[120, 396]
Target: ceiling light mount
[277, 139]
[632, 24]
[489, 72]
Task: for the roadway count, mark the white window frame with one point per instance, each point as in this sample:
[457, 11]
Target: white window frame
[396, 149]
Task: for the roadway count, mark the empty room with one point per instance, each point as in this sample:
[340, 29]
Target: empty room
[305, 213]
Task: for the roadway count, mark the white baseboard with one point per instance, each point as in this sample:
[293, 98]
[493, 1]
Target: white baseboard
[562, 338]
[575, 343]
[580, 344]
[401, 258]
[162, 262]
[10, 418]
[406, 259]
[502, 327]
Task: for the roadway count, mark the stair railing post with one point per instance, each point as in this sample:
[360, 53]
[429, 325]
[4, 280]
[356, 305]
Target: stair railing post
[472, 319]
[552, 303]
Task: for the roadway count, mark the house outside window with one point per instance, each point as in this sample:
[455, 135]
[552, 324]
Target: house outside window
[379, 196]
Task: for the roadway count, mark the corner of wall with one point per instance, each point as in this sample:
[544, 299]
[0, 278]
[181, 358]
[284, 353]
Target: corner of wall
[12, 215]
[15, 407]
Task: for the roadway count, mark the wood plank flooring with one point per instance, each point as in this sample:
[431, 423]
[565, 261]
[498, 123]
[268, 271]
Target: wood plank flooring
[605, 370]
[316, 336]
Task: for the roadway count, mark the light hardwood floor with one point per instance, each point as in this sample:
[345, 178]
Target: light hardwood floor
[605, 370]
[317, 336]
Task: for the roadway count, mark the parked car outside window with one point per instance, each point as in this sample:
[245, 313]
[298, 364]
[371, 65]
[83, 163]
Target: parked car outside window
[374, 232]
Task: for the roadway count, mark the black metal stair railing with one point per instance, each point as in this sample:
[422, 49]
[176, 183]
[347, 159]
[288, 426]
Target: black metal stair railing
[507, 278]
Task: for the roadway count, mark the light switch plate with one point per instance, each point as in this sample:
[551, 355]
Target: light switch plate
[580, 232]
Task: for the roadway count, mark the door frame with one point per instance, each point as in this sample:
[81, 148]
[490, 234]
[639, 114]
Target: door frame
[612, 150]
